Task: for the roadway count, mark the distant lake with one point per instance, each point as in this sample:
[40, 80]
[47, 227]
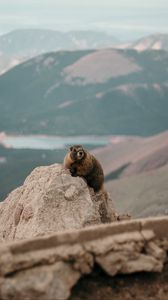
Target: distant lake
[51, 142]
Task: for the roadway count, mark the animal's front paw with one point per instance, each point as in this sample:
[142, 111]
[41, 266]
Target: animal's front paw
[73, 172]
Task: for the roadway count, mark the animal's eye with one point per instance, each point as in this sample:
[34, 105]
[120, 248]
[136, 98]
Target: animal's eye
[80, 153]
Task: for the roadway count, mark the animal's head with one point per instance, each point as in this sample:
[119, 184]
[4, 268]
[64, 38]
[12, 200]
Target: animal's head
[77, 152]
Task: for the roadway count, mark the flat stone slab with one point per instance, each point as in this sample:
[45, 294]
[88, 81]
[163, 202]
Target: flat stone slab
[47, 267]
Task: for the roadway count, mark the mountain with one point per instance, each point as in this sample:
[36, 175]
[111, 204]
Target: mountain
[136, 172]
[141, 195]
[155, 42]
[31, 42]
[87, 92]
[130, 156]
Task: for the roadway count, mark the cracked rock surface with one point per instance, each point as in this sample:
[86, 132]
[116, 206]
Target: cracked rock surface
[49, 201]
[48, 267]
[55, 233]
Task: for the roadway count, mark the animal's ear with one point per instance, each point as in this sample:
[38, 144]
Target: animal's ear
[71, 148]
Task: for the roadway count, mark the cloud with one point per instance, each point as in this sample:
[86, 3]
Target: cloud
[109, 15]
[10, 22]
[125, 26]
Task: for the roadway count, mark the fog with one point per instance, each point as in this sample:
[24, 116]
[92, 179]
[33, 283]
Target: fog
[126, 19]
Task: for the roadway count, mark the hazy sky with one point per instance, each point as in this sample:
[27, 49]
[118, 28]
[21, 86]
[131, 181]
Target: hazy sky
[126, 19]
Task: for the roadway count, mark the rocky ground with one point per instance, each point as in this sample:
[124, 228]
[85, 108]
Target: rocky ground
[60, 240]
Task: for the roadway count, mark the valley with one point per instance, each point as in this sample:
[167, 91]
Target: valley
[83, 150]
[111, 100]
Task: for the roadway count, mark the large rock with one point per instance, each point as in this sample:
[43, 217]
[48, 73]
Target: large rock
[50, 201]
[48, 267]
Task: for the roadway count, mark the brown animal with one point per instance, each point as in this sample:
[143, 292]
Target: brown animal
[82, 163]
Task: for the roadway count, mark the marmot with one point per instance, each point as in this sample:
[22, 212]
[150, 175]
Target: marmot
[82, 163]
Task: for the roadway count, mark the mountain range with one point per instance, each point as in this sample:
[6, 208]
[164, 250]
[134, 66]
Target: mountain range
[106, 91]
[22, 44]
[26, 43]
[101, 90]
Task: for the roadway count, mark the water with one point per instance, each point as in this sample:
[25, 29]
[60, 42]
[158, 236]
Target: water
[52, 142]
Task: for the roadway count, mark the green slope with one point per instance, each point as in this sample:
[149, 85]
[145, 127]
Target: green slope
[37, 97]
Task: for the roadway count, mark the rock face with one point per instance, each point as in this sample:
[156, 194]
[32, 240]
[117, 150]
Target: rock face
[40, 259]
[48, 267]
[50, 201]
